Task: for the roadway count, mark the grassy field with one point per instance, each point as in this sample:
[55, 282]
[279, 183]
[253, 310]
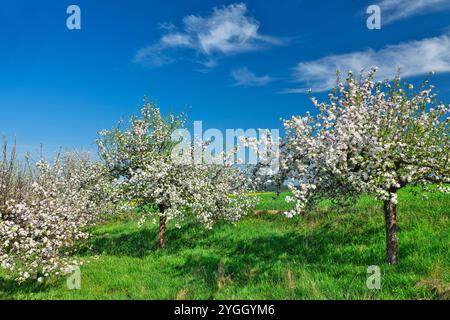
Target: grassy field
[323, 255]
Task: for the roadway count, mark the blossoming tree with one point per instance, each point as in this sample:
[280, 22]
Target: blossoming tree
[144, 160]
[46, 215]
[372, 136]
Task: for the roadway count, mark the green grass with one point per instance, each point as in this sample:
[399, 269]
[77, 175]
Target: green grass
[272, 202]
[323, 255]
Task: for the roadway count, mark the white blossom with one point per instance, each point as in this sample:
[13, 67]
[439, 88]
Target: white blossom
[369, 138]
[42, 227]
[141, 159]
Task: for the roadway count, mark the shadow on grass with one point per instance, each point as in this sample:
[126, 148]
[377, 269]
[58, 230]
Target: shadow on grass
[141, 242]
[243, 254]
[315, 247]
[9, 287]
[138, 243]
[261, 255]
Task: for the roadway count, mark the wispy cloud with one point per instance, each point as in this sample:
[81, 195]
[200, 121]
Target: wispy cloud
[245, 78]
[228, 30]
[393, 10]
[411, 58]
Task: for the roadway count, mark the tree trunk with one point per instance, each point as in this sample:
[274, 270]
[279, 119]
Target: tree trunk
[390, 214]
[162, 228]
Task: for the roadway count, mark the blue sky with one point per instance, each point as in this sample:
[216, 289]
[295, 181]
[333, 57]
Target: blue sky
[230, 64]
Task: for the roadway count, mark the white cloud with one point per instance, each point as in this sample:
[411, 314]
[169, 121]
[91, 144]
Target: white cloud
[229, 30]
[167, 26]
[393, 10]
[412, 58]
[245, 78]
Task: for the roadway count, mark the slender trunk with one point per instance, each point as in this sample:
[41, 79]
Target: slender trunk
[390, 214]
[162, 228]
